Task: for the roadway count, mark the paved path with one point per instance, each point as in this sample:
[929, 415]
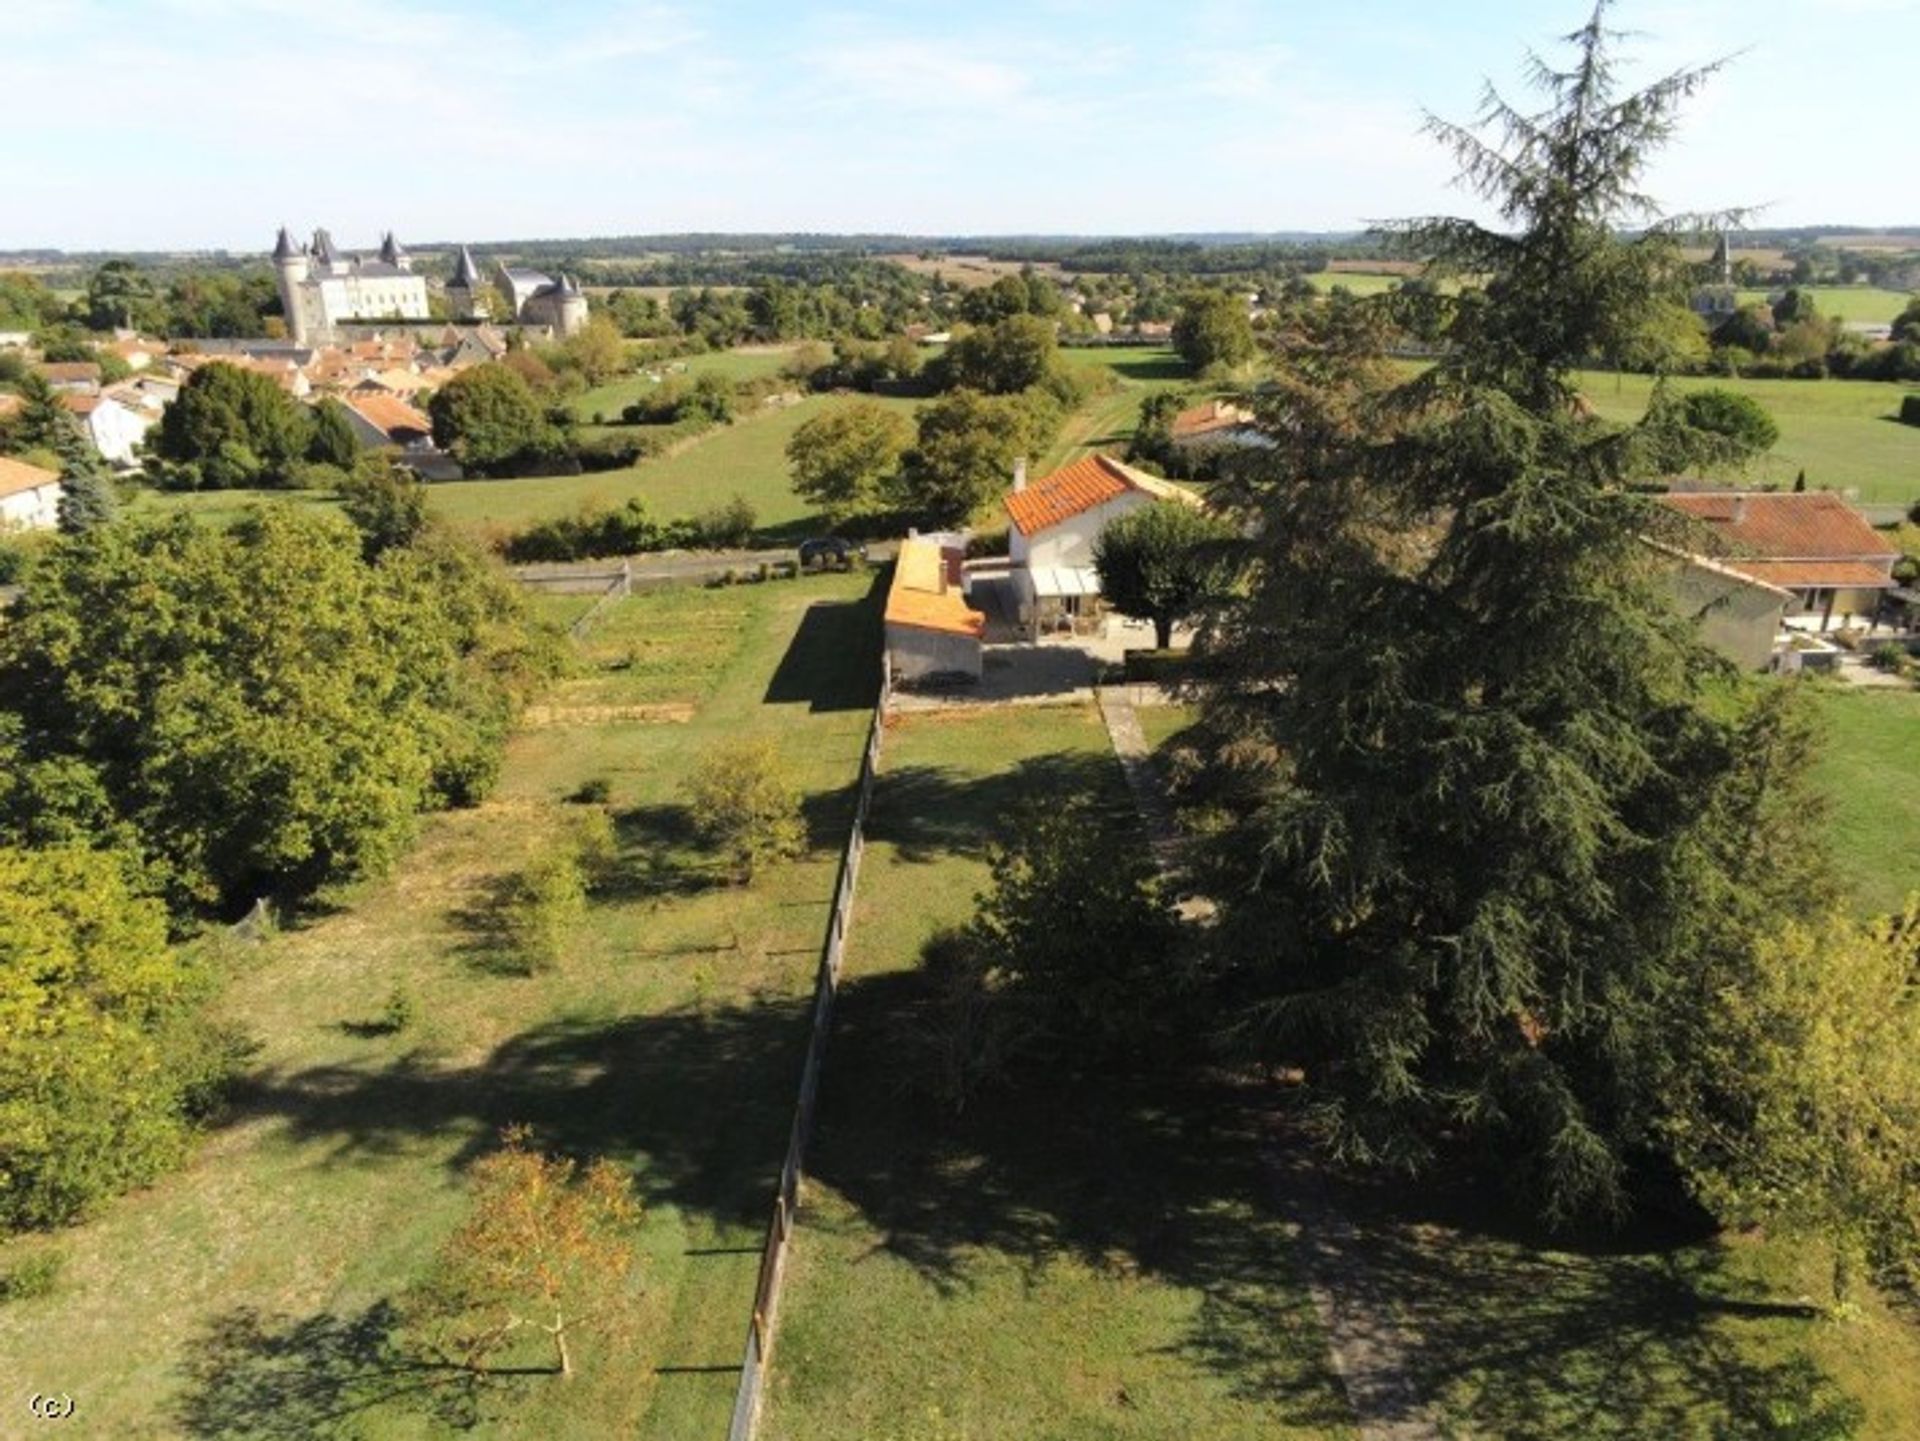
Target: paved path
[1369, 1346]
[1143, 779]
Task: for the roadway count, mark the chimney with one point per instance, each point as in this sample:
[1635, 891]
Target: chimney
[1739, 509]
[1020, 475]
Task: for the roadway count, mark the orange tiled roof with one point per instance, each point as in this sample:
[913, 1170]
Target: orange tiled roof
[1204, 419]
[389, 413]
[81, 404]
[1086, 484]
[17, 477]
[926, 593]
[70, 370]
[1811, 525]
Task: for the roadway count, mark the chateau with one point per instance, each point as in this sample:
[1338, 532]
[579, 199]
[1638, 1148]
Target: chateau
[323, 288]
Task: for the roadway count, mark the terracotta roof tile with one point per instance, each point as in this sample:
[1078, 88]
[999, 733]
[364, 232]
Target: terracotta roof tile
[1813, 525]
[1086, 484]
[389, 413]
[70, 370]
[925, 593]
[17, 477]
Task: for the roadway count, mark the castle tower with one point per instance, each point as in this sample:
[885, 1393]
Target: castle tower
[466, 298]
[395, 254]
[292, 269]
[570, 314]
[1722, 261]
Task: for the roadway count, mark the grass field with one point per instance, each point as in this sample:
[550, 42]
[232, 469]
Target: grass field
[746, 363]
[1869, 772]
[1079, 1262]
[1845, 302]
[1107, 422]
[747, 458]
[247, 1295]
[1359, 282]
[1841, 432]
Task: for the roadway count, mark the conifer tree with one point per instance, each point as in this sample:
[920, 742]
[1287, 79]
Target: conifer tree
[1508, 798]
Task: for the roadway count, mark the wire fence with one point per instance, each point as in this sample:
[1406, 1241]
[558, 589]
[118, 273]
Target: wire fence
[826, 985]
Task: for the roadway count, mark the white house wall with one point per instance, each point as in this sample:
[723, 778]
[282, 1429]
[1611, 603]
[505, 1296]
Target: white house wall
[116, 431]
[36, 509]
[1069, 544]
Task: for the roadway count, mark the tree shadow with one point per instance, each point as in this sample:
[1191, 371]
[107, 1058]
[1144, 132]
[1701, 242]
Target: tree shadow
[1177, 1176]
[696, 1101]
[829, 663]
[925, 812]
[1611, 1336]
[1150, 365]
[251, 1376]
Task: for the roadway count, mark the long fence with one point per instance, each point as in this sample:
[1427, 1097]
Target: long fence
[826, 985]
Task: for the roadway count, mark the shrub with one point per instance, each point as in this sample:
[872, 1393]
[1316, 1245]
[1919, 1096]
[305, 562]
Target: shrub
[729, 525]
[33, 1278]
[1740, 419]
[538, 908]
[590, 533]
[592, 792]
[400, 1011]
[742, 806]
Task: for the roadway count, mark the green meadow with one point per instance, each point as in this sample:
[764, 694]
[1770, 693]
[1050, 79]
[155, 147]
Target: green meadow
[1843, 433]
[253, 1293]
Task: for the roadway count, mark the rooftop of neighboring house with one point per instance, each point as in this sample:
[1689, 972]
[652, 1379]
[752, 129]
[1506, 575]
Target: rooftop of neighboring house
[389, 414]
[1793, 539]
[1208, 418]
[1086, 484]
[17, 477]
[926, 589]
[69, 371]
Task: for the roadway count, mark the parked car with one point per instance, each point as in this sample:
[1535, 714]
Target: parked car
[830, 552]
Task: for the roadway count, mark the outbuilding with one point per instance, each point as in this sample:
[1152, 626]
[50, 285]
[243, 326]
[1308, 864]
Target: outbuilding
[932, 633]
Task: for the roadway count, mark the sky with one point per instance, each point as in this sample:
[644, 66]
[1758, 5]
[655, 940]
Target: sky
[202, 124]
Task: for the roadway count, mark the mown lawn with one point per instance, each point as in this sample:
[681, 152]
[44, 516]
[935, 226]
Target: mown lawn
[1068, 1262]
[747, 458]
[746, 363]
[1355, 281]
[1869, 771]
[1108, 420]
[1842, 433]
[1844, 302]
[249, 1295]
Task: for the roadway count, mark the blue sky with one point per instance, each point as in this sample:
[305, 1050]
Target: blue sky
[204, 123]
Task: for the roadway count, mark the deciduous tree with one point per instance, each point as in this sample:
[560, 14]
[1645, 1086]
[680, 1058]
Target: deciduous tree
[1162, 563]
[1213, 329]
[547, 1250]
[487, 417]
[845, 459]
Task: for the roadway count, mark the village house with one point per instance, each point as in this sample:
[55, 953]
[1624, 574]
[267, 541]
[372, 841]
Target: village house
[383, 421]
[932, 633]
[1215, 427]
[1052, 527]
[29, 496]
[1811, 544]
[72, 377]
[116, 421]
[1737, 615]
